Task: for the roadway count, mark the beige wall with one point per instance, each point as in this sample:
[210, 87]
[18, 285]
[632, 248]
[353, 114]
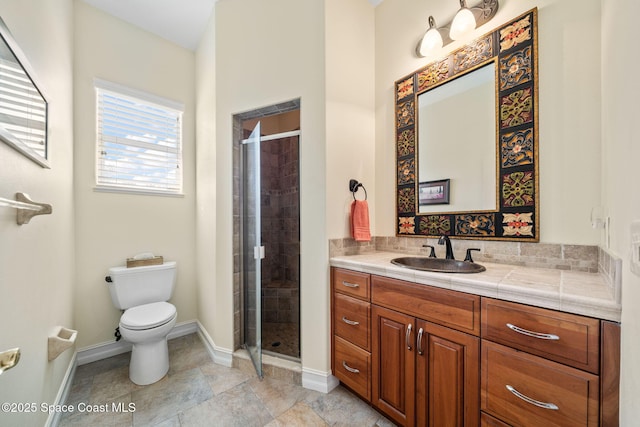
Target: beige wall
[206, 216]
[37, 259]
[569, 105]
[263, 58]
[350, 107]
[111, 227]
[620, 154]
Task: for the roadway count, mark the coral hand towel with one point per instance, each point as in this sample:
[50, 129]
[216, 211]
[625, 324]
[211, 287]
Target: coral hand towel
[360, 221]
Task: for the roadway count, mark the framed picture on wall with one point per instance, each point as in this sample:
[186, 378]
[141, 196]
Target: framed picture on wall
[434, 192]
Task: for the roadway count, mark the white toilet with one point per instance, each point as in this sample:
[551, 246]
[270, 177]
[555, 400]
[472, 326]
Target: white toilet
[143, 292]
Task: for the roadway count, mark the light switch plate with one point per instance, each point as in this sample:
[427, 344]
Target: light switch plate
[635, 247]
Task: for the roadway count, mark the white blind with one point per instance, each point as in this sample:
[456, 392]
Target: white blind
[23, 111]
[139, 144]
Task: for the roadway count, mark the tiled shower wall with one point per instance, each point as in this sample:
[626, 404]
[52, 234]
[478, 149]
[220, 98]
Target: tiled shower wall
[280, 205]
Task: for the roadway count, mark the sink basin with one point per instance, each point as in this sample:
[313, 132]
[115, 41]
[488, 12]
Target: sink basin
[438, 265]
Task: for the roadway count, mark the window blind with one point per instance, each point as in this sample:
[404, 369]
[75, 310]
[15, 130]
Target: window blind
[139, 144]
[23, 111]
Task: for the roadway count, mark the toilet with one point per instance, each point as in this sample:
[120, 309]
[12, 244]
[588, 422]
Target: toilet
[143, 292]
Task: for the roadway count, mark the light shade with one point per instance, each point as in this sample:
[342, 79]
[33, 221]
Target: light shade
[463, 23]
[431, 41]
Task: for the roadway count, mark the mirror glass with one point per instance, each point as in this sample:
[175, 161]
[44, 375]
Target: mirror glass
[466, 129]
[23, 108]
[457, 141]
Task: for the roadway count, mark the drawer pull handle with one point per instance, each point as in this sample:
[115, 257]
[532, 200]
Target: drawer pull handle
[350, 322]
[349, 368]
[532, 401]
[406, 337]
[350, 285]
[533, 334]
[419, 342]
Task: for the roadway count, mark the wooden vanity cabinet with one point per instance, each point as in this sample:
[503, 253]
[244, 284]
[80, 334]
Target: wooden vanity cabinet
[545, 367]
[424, 374]
[351, 330]
[427, 356]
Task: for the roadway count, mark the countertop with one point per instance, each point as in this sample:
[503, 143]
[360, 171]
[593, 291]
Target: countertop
[587, 294]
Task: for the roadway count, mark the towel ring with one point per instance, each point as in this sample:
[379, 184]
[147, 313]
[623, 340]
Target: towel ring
[354, 186]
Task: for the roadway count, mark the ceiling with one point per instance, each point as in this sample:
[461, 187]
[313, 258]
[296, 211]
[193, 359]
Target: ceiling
[180, 21]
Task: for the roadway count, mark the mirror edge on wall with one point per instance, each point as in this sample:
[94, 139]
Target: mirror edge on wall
[514, 47]
[5, 135]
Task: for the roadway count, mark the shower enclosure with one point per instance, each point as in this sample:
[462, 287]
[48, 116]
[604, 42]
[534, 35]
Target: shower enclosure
[268, 243]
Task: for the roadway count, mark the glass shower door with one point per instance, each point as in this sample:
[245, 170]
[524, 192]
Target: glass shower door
[252, 249]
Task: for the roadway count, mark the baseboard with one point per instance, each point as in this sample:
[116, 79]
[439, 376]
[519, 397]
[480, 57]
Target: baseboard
[63, 392]
[220, 355]
[320, 381]
[104, 350]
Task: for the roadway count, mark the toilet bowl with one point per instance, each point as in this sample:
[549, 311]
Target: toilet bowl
[143, 292]
[146, 327]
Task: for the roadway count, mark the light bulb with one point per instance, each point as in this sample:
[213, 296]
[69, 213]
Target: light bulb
[463, 23]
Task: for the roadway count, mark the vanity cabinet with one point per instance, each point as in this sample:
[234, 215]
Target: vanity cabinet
[351, 326]
[425, 360]
[544, 367]
[427, 356]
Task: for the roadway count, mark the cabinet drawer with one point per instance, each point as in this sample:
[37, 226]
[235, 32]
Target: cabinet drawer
[566, 338]
[353, 367]
[352, 320]
[489, 421]
[526, 390]
[351, 283]
[453, 309]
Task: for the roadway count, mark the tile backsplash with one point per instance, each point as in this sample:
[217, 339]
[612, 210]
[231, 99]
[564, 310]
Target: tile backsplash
[586, 258]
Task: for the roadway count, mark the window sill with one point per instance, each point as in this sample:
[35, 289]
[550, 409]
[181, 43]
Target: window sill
[142, 192]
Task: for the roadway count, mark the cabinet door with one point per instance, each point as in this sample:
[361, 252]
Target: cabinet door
[447, 377]
[393, 344]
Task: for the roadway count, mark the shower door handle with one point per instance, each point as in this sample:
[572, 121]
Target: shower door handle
[258, 252]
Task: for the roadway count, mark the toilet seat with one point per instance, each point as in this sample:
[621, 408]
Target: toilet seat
[148, 316]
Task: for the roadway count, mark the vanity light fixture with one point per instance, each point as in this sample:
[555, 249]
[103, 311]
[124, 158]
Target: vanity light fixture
[433, 40]
[466, 20]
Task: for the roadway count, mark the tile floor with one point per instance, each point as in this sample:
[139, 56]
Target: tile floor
[198, 392]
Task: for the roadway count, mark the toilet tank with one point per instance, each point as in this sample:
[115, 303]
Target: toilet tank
[130, 287]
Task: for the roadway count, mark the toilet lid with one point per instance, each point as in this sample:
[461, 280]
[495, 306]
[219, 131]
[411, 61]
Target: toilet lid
[148, 316]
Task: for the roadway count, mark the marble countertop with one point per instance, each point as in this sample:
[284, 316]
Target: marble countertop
[587, 294]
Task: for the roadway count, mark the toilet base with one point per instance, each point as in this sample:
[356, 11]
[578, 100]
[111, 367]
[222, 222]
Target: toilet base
[149, 362]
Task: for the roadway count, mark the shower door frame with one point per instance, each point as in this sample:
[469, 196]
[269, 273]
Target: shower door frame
[251, 236]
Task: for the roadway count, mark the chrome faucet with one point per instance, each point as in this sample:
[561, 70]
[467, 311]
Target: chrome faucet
[444, 240]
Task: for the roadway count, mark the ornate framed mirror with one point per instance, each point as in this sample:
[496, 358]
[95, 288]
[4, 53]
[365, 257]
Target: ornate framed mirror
[23, 107]
[471, 120]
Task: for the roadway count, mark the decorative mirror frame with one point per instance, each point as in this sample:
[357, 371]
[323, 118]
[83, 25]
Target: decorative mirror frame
[6, 135]
[514, 48]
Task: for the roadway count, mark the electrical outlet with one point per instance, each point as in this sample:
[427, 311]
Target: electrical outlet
[635, 247]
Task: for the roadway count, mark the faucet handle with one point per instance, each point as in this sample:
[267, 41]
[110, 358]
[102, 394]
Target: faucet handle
[468, 257]
[432, 254]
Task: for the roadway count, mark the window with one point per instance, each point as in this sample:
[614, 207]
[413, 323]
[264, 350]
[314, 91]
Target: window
[139, 141]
